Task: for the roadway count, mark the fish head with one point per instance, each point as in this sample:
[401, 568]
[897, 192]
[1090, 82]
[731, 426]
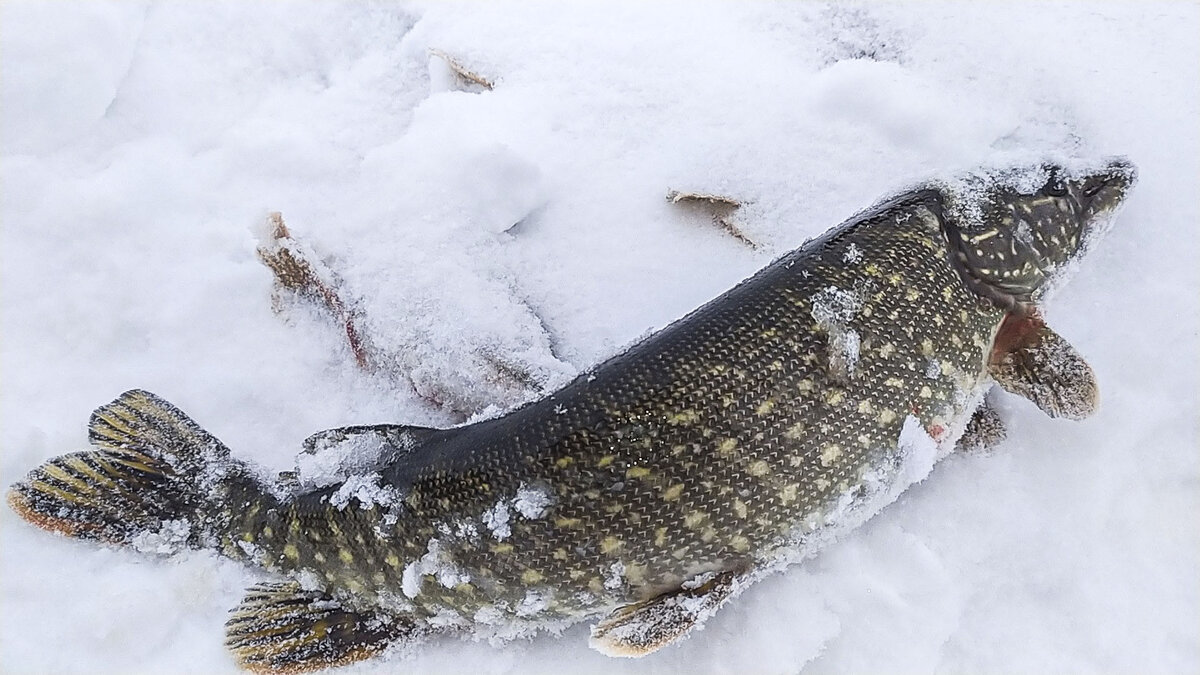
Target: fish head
[1014, 233]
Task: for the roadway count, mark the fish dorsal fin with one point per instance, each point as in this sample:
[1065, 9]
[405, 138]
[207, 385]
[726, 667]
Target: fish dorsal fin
[1032, 361]
[399, 439]
[333, 455]
[645, 627]
[280, 627]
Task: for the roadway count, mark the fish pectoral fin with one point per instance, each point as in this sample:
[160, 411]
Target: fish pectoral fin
[985, 430]
[1041, 366]
[642, 628]
[282, 628]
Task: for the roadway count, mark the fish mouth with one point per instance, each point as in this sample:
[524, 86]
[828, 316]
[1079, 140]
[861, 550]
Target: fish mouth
[1104, 192]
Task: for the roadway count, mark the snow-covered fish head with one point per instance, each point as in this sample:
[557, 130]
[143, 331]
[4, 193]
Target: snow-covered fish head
[1013, 233]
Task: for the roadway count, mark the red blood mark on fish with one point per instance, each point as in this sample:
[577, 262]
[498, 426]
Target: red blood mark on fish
[1016, 332]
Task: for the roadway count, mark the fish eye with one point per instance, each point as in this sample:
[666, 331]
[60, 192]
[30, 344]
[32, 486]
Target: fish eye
[1055, 187]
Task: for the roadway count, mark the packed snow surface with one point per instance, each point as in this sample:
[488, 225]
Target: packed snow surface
[501, 240]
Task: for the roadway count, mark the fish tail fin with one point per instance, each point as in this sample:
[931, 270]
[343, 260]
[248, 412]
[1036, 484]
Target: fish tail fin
[154, 473]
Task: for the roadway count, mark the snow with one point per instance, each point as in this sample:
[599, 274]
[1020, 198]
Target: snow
[502, 240]
[496, 519]
[532, 501]
[433, 563]
[833, 309]
[367, 491]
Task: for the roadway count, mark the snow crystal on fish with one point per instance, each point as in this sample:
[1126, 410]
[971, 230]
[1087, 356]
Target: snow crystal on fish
[434, 563]
[532, 501]
[366, 490]
[496, 519]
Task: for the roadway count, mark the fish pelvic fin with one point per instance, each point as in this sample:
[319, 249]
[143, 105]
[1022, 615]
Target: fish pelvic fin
[279, 627]
[155, 478]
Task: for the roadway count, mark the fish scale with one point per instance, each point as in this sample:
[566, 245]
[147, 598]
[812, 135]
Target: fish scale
[651, 489]
[683, 411]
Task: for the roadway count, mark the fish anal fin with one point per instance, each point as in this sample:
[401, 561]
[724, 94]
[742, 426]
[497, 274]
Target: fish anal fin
[282, 628]
[642, 628]
[1032, 361]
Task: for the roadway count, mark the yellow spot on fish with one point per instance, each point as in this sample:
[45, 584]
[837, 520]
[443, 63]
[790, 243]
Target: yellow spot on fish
[559, 554]
[765, 407]
[392, 560]
[887, 349]
[926, 392]
[694, 519]
[319, 557]
[567, 522]
[290, 551]
[894, 382]
[577, 574]
[503, 547]
[739, 508]
[635, 573]
[708, 534]
[727, 446]
[268, 532]
[660, 536]
[739, 543]
[788, 494]
[637, 472]
[610, 544]
[887, 417]
[605, 461]
[759, 468]
[564, 462]
[911, 294]
[822, 484]
[835, 396]
[926, 347]
[871, 269]
[346, 556]
[530, 577]
[865, 407]
[795, 432]
[805, 385]
[614, 508]
[864, 440]
[684, 417]
[830, 453]
[672, 493]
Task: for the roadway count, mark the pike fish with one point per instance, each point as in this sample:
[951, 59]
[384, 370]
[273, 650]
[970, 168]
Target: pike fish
[656, 486]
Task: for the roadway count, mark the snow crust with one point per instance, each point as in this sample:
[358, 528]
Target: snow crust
[503, 240]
